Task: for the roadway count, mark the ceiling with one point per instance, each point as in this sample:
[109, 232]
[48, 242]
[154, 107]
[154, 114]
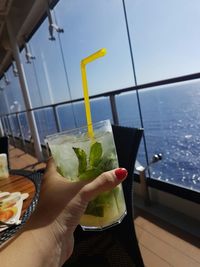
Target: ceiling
[24, 15]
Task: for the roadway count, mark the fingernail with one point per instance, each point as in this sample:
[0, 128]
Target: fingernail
[121, 173]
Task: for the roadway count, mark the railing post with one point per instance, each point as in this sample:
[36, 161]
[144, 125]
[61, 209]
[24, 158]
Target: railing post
[25, 92]
[143, 185]
[1, 128]
[3, 120]
[58, 126]
[114, 109]
[20, 130]
[10, 129]
[143, 179]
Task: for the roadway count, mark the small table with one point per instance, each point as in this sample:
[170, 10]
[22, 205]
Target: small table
[24, 182]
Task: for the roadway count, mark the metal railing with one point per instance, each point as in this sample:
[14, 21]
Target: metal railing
[110, 94]
[6, 118]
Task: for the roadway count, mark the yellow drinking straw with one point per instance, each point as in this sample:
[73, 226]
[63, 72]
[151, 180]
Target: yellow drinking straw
[85, 61]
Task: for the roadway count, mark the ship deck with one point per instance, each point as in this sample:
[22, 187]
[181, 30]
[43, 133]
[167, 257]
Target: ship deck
[162, 244]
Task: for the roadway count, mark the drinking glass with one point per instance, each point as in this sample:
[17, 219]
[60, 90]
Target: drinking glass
[81, 157]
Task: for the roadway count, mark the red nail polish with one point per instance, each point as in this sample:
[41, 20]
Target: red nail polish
[121, 173]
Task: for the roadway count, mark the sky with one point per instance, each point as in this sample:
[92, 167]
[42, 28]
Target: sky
[165, 39]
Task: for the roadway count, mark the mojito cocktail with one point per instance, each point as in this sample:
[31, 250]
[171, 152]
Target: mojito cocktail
[80, 157]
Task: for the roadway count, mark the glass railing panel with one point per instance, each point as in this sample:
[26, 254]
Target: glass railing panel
[73, 115]
[12, 93]
[14, 125]
[101, 110]
[66, 116]
[23, 120]
[171, 121]
[32, 81]
[45, 74]
[127, 108]
[45, 122]
[48, 67]
[129, 116]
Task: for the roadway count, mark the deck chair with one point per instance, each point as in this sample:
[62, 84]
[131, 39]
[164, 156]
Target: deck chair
[4, 147]
[116, 246]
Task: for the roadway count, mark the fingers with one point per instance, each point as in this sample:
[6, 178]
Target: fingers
[105, 182]
[91, 189]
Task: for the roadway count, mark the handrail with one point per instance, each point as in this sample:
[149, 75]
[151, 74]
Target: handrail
[110, 94]
[183, 78]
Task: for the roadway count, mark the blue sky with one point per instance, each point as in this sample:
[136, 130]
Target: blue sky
[165, 37]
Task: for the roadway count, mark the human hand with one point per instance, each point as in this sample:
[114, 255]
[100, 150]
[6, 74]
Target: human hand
[62, 204]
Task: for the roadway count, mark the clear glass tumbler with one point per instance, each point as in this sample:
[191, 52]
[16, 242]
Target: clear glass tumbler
[79, 157]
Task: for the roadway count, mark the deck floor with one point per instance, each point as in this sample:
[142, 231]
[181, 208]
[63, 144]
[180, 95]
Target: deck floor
[19, 159]
[161, 244]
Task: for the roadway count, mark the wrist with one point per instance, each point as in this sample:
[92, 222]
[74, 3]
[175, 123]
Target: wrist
[53, 242]
[45, 246]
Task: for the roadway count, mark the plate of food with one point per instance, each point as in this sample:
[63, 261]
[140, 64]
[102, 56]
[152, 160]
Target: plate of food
[10, 208]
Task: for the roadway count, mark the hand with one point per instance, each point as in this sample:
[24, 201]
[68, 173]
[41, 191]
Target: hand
[61, 206]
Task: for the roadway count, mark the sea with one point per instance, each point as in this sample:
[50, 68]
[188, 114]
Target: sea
[171, 122]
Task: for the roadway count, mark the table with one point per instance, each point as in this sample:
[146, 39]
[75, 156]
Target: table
[24, 182]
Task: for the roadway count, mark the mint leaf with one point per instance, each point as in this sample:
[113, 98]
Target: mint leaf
[89, 174]
[82, 159]
[95, 154]
[106, 197]
[107, 163]
[94, 210]
[97, 205]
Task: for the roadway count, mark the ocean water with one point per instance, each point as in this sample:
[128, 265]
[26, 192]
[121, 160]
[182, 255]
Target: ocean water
[171, 120]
